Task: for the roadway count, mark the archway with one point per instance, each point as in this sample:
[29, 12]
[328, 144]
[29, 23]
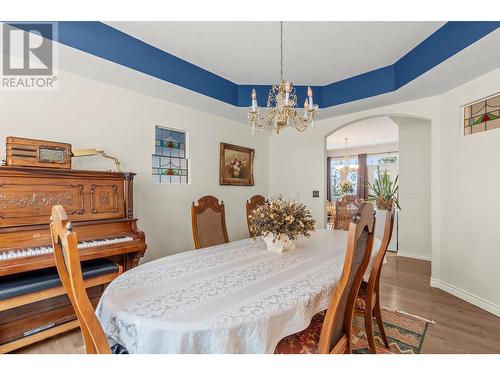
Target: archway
[409, 156]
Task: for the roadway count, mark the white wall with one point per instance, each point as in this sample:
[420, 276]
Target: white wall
[414, 229]
[470, 252]
[88, 113]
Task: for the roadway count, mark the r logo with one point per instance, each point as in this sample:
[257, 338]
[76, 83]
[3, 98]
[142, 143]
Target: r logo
[27, 49]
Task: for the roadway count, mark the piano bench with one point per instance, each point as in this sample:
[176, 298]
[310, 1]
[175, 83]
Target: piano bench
[21, 289]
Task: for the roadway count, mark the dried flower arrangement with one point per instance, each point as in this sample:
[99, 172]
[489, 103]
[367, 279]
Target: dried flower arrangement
[283, 220]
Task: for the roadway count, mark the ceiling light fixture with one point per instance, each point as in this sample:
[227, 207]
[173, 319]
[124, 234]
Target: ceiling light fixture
[346, 165]
[281, 108]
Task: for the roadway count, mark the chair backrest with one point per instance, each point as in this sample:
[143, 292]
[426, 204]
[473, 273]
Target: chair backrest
[252, 204]
[376, 268]
[345, 208]
[330, 210]
[67, 258]
[336, 332]
[208, 220]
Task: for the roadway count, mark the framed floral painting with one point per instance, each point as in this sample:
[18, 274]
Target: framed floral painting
[236, 165]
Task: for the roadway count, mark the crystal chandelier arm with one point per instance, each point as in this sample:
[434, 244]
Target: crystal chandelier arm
[299, 122]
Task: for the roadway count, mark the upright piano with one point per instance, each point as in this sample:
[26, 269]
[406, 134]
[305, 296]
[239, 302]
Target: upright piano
[33, 305]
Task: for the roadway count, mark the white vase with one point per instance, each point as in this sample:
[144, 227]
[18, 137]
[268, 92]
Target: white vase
[288, 244]
[278, 245]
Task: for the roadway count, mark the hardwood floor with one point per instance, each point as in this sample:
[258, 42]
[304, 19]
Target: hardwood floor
[459, 326]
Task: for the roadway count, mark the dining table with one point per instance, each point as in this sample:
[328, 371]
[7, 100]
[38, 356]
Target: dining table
[236, 297]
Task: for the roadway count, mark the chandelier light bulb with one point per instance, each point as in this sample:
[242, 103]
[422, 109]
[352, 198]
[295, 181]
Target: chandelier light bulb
[310, 96]
[254, 101]
[287, 93]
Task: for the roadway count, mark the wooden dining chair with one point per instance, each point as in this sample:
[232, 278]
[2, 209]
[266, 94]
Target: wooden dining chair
[330, 330]
[252, 204]
[368, 300]
[208, 220]
[67, 259]
[345, 208]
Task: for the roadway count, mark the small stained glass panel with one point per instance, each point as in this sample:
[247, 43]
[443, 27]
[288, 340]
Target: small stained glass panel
[482, 116]
[169, 162]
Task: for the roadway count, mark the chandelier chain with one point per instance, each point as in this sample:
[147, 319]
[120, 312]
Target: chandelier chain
[281, 50]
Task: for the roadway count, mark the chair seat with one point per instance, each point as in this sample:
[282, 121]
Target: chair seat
[303, 342]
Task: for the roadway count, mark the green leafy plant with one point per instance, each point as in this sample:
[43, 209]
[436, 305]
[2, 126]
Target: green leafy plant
[384, 190]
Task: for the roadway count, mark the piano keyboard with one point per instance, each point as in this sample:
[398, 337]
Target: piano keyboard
[35, 251]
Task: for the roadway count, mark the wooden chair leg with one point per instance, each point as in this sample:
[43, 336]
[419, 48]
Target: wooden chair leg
[380, 323]
[348, 349]
[369, 331]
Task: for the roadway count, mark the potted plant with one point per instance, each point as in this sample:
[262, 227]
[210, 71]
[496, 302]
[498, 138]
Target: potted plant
[384, 190]
[280, 222]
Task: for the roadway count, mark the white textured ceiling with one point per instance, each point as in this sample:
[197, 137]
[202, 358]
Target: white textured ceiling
[315, 53]
[372, 131]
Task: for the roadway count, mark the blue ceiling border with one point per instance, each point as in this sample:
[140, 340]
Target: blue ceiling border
[106, 42]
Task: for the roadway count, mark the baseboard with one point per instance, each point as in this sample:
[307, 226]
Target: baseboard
[409, 254]
[466, 296]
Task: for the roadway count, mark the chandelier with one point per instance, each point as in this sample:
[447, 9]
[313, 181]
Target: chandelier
[281, 108]
[346, 167]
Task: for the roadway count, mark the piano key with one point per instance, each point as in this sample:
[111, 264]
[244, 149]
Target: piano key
[42, 250]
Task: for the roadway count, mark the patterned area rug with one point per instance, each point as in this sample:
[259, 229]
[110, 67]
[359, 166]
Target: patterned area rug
[405, 333]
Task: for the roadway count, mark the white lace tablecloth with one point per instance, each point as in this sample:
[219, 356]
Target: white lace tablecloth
[232, 298]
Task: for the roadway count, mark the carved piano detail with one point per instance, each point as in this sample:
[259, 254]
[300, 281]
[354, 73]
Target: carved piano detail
[100, 206]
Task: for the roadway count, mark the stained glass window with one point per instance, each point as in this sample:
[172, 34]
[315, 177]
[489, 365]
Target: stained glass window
[382, 159]
[482, 116]
[170, 162]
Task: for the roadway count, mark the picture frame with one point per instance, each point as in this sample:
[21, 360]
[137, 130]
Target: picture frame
[236, 165]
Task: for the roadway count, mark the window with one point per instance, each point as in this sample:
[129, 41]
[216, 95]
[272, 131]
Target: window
[381, 160]
[482, 116]
[386, 161]
[170, 162]
[336, 177]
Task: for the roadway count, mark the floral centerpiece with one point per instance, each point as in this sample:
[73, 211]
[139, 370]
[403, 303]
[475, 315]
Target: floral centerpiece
[280, 222]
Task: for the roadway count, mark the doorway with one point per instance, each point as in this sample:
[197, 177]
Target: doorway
[397, 145]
